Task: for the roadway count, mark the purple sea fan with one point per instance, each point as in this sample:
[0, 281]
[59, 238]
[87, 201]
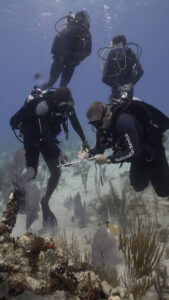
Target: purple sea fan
[22, 180]
[16, 171]
[16, 167]
[32, 198]
[104, 251]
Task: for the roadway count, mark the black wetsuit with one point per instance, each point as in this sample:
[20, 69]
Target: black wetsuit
[69, 48]
[147, 156]
[39, 133]
[117, 73]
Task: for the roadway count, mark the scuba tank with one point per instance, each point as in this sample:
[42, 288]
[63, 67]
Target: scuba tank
[144, 112]
[153, 121]
[37, 93]
[37, 106]
[61, 109]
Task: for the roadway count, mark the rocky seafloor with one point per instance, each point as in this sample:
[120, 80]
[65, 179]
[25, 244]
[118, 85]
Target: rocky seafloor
[83, 259]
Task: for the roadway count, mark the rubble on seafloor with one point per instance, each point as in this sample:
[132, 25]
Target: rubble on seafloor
[46, 266]
[40, 265]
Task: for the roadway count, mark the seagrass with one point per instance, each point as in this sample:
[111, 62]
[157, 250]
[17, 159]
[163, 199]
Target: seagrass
[142, 253]
[141, 249]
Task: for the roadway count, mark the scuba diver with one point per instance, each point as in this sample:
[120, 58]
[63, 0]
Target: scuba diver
[72, 44]
[122, 68]
[134, 131]
[40, 120]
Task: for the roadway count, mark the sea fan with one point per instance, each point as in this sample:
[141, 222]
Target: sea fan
[104, 252]
[16, 167]
[22, 180]
[32, 199]
[80, 210]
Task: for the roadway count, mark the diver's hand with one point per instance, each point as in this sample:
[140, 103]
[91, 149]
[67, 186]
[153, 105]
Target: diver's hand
[85, 145]
[126, 87]
[83, 155]
[100, 159]
[63, 158]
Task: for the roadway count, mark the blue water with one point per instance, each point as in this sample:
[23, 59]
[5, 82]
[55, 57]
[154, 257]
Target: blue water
[27, 32]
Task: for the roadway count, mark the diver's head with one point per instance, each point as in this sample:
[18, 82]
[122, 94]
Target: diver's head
[118, 50]
[63, 99]
[99, 115]
[82, 20]
[119, 41]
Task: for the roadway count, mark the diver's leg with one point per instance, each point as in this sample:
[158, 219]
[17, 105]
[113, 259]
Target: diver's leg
[49, 219]
[51, 155]
[32, 156]
[159, 172]
[53, 166]
[55, 71]
[138, 175]
[67, 74]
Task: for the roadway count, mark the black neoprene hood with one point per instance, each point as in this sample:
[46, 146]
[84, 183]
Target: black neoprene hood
[63, 93]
